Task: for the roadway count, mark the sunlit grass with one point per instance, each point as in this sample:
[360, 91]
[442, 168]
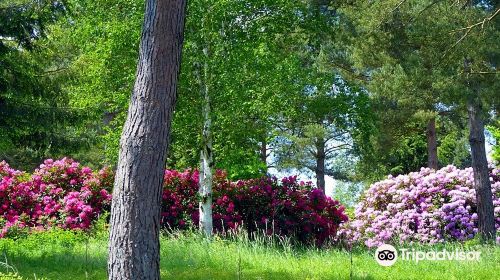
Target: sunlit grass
[66, 255]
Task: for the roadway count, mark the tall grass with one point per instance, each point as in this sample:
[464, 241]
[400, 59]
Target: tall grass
[235, 255]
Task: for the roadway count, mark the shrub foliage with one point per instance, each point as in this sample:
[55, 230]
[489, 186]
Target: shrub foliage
[426, 207]
[63, 194]
[59, 193]
[267, 205]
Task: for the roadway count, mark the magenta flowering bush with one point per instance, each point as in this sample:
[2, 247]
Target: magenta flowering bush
[58, 194]
[426, 207]
[286, 207]
[64, 194]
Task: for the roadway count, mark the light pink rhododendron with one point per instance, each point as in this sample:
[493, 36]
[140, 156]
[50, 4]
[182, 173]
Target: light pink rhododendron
[427, 207]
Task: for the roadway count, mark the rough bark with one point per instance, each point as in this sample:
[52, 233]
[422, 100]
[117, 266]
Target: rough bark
[486, 218]
[320, 164]
[135, 212]
[432, 161]
[485, 212]
[206, 157]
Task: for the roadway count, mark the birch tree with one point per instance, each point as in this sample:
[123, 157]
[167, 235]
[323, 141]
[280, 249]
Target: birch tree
[206, 156]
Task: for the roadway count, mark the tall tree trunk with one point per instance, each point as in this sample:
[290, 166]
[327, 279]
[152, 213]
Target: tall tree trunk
[135, 212]
[482, 184]
[432, 161]
[320, 164]
[206, 157]
[485, 212]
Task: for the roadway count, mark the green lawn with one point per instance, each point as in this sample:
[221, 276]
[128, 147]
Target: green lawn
[65, 255]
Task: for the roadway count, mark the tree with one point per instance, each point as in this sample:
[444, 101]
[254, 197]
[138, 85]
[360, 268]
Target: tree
[34, 112]
[246, 74]
[488, 61]
[325, 127]
[135, 214]
[442, 51]
[326, 114]
[220, 42]
[403, 71]
[206, 153]
[482, 184]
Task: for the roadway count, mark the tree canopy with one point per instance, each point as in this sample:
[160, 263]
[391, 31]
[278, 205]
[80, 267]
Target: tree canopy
[354, 90]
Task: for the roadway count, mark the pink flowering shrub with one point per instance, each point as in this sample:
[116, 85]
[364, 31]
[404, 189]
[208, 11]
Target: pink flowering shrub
[58, 194]
[266, 205]
[427, 207]
[64, 194]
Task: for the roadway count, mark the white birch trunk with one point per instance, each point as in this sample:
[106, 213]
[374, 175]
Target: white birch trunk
[206, 157]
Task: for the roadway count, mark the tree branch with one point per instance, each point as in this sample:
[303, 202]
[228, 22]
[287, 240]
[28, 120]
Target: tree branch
[485, 72]
[313, 153]
[351, 72]
[482, 23]
[50, 72]
[338, 147]
[397, 6]
[468, 29]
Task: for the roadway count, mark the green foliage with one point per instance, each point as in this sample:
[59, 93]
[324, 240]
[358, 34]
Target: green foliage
[247, 70]
[348, 194]
[454, 149]
[35, 119]
[410, 57]
[100, 39]
[281, 75]
[495, 131]
[327, 115]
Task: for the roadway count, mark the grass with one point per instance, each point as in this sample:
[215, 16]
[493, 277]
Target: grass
[68, 255]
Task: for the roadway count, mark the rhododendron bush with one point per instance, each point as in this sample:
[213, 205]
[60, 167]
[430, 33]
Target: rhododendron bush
[266, 205]
[427, 207]
[58, 194]
[63, 194]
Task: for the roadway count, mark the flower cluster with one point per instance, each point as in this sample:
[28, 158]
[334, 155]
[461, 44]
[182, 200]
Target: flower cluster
[286, 208]
[427, 207]
[58, 194]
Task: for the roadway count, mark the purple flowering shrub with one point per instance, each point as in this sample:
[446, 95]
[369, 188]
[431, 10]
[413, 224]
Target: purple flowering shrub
[426, 207]
[286, 207]
[58, 194]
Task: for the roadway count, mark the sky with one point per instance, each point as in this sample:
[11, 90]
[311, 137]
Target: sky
[329, 181]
